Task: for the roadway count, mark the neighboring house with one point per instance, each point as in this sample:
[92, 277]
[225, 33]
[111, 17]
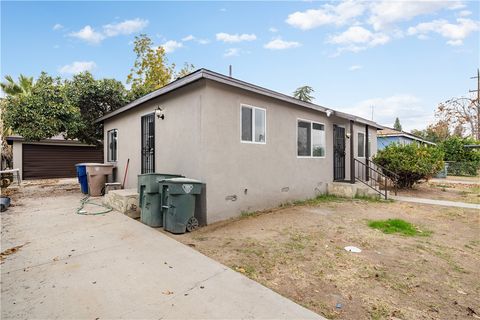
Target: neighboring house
[253, 147]
[51, 158]
[388, 136]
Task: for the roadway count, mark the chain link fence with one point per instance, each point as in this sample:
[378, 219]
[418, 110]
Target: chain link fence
[468, 169]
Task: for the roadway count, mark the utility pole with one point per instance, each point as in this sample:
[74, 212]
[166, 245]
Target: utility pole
[478, 101]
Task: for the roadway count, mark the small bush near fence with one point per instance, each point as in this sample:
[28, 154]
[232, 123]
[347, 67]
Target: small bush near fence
[411, 162]
[462, 161]
[469, 169]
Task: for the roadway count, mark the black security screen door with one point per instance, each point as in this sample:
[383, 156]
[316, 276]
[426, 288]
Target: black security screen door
[338, 153]
[148, 143]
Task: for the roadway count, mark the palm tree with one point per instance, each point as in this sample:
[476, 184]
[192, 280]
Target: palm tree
[12, 88]
[304, 93]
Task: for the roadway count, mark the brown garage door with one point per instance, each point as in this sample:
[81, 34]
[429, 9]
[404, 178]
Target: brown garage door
[48, 161]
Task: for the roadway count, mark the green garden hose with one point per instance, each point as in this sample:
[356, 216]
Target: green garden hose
[85, 201]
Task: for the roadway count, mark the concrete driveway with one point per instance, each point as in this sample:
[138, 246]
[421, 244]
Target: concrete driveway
[110, 266]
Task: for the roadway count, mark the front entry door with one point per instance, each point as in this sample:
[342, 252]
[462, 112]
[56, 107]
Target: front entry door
[338, 153]
[148, 143]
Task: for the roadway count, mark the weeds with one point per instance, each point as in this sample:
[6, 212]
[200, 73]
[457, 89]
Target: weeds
[322, 198]
[372, 199]
[397, 226]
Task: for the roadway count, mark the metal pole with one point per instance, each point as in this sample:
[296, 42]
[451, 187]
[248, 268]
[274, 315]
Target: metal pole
[352, 158]
[366, 152]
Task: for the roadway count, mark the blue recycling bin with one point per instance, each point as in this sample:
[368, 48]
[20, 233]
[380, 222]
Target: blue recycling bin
[82, 177]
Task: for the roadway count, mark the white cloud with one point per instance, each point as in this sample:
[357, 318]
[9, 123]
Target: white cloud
[230, 38]
[454, 33]
[203, 41]
[272, 29]
[89, 35]
[231, 52]
[171, 45]
[77, 67]
[355, 67]
[57, 26]
[124, 28]
[188, 38]
[223, 10]
[279, 44]
[357, 38]
[408, 108]
[340, 14]
[464, 13]
[386, 13]
[197, 40]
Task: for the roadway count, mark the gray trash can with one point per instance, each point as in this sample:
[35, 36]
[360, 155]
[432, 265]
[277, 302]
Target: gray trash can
[178, 204]
[150, 197]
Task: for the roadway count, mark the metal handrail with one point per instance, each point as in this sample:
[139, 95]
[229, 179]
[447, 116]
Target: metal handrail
[371, 175]
[386, 170]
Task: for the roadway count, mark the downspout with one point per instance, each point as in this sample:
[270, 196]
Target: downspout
[366, 153]
[352, 158]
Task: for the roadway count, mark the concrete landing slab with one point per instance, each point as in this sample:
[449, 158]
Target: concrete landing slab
[124, 201]
[113, 267]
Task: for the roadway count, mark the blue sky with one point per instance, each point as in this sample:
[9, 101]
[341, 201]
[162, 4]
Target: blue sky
[401, 57]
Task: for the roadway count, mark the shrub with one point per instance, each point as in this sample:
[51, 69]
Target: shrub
[462, 161]
[411, 162]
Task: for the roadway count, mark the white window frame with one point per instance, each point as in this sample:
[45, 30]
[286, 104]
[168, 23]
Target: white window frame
[311, 140]
[253, 124]
[108, 146]
[364, 143]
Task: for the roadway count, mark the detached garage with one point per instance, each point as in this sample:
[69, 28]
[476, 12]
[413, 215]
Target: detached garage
[51, 158]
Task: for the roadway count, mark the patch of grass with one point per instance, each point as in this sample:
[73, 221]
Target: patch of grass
[322, 198]
[397, 226]
[249, 271]
[246, 214]
[372, 199]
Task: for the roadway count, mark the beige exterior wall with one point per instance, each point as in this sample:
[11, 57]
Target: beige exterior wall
[261, 176]
[17, 154]
[178, 142]
[200, 138]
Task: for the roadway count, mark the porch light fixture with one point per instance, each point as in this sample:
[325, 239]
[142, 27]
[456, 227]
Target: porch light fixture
[160, 113]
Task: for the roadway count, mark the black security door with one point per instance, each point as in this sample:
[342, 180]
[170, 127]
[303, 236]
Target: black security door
[338, 153]
[148, 143]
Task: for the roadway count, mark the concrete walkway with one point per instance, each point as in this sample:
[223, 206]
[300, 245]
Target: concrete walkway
[456, 181]
[110, 266]
[437, 202]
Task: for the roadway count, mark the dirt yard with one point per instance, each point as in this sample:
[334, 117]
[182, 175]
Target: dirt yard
[460, 192]
[299, 252]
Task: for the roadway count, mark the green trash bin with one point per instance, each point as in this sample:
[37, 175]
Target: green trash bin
[178, 204]
[150, 197]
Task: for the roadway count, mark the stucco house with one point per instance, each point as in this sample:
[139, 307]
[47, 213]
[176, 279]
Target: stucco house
[388, 136]
[253, 147]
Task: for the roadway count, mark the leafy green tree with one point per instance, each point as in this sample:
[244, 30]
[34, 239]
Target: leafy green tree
[436, 132]
[151, 69]
[462, 161]
[12, 88]
[411, 162]
[397, 126]
[43, 113]
[185, 70]
[93, 98]
[304, 93]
